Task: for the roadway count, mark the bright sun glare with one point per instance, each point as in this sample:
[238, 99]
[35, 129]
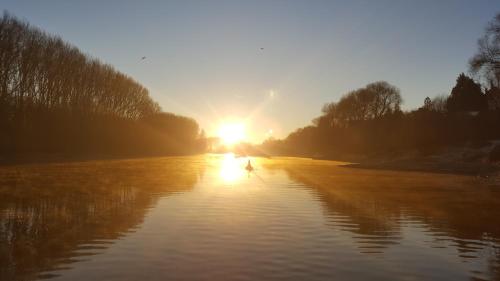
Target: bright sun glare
[232, 133]
[231, 168]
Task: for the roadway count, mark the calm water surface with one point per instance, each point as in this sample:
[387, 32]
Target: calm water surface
[206, 218]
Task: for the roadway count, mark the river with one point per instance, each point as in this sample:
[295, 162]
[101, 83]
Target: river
[207, 218]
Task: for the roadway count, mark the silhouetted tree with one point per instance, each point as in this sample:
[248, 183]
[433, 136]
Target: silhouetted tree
[369, 120]
[439, 103]
[352, 127]
[387, 98]
[493, 97]
[41, 72]
[54, 98]
[427, 103]
[373, 101]
[466, 96]
[436, 104]
[486, 62]
[184, 129]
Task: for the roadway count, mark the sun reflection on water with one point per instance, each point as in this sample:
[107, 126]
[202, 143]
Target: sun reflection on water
[232, 168]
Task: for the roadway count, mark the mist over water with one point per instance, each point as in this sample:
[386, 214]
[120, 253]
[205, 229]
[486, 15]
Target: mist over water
[207, 218]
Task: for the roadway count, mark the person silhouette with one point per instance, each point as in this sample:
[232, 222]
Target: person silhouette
[249, 166]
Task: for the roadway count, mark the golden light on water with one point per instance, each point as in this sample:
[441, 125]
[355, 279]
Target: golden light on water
[232, 133]
[232, 168]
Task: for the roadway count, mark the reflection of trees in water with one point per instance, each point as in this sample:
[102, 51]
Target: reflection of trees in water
[372, 231]
[374, 226]
[458, 211]
[48, 212]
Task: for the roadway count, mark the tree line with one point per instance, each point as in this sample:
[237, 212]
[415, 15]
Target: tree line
[369, 120]
[56, 99]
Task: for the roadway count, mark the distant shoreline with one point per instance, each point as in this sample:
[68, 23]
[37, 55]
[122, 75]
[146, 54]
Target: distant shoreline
[463, 160]
[460, 160]
[433, 167]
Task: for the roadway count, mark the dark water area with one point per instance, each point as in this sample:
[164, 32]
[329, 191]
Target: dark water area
[207, 218]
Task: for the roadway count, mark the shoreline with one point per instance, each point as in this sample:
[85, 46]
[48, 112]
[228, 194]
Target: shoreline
[459, 160]
[472, 169]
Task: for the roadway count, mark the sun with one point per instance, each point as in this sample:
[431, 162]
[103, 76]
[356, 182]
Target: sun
[232, 133]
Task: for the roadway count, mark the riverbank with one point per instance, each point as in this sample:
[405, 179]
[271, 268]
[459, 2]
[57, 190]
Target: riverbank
[427, 164]
[466, 159]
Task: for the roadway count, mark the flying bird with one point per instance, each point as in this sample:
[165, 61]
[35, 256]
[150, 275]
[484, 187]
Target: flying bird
[262, 49]
[143, 58]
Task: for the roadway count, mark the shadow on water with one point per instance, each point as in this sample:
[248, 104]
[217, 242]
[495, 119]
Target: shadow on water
[376, 206]
[54, 215]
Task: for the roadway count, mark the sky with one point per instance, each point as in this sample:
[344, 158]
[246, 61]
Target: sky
[271, 64]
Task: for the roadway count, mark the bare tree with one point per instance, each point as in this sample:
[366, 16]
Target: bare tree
[43, 72]
[387, 98]
[373, 101]
[51, 92]
[486, 62]
[439, 103]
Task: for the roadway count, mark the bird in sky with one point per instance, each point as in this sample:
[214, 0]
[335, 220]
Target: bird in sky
[143, 58]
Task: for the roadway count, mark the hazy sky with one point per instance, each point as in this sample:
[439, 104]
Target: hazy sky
[204, 58]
